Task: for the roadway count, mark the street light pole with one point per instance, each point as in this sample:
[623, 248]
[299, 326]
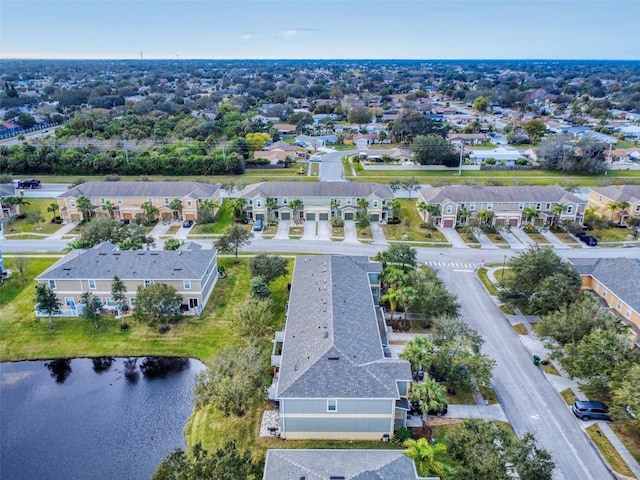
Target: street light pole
[504, 262]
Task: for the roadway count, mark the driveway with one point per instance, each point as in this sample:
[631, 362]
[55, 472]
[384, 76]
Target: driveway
[309, 231]
[378, 234]
[452, 237]
[484, 241]
[324, 230]
[331, 166]
[512, 240]
[350, 233]
[523, 237]
[283, 230]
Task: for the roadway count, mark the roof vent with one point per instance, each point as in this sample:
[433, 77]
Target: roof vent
[334, 477]
[334, 358]
[140, 253]
[102, 254]
[326, 334]
[116, 253]
[295, 366]
[155, 253]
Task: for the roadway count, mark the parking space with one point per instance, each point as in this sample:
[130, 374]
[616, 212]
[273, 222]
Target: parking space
[283, 230]
[324, 230]
[350, 233]
[309, 230]
[378, 234]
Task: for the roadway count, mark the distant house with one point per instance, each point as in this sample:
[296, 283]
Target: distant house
[275, 156]
[282, 147]
[127, 198]
[615, 280]
[507, 156]
[285, 128]
[459, 139]
[6, 190]
[316, 140]
[336, 378]
[376, 155]
[630, 132]
[506, 203]
[321, 200]
[601, 197]
[297, 464]
[191, 270]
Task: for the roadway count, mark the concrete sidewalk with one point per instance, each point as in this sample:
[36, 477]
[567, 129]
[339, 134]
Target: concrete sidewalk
[561, 382]
[64, 230]
[484, 241]
[452, 237]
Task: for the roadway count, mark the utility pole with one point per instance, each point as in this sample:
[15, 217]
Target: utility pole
[461, 157]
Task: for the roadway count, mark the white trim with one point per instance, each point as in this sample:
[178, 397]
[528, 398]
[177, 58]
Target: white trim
[336, 415]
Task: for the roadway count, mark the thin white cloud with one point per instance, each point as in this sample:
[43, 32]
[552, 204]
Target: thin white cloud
[296, 31]
[247, 37]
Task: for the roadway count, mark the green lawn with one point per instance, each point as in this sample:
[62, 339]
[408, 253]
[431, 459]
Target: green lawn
[488, 284]
[467, 237]
[608, 451]
[611, 234]
[35, 205]
[413, 231]
[224, 218]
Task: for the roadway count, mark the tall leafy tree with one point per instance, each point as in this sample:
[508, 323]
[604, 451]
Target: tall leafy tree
[253, 319]
[84, 205]
[429, 458]
[433, 150]
[53, 208]
[157, 304]
[47, 301]
[430, 395]
[92, 307]
[233, 240]
[118, 291]
[268, 267]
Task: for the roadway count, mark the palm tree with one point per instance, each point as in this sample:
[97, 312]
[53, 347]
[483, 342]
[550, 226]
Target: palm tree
[463, 215]
[84, 205]
[53, 208]
[239, 205]
[557, 210]
[16, 202]
[109, 207]
[176, 207]
[396, 207]
[150, 211]
[622, 205]
[530, 214]
[613, 206]
[431, 394]
[433, 210]
[392, 297]
[419, 352]
[487, 216]
[363, 203]
[422, 208]
[335, 204]
[295, 205]
[270, 203]
[427, 458]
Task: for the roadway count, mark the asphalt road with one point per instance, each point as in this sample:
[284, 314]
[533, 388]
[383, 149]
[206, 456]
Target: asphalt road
[530, 402]
[331, 166]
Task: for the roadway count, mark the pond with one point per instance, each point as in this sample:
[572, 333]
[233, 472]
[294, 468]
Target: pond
[103, 418]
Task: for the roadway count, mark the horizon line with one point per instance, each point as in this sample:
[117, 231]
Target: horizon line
[322, 59]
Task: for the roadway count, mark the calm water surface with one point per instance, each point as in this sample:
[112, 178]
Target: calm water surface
[92, 419]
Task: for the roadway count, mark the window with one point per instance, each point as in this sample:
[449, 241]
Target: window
[638, 208]
[489, 206]
[449, 209]
[166, 200]
[628, 315]
[150, 200]
[375, 204]
[148, 282]
[570, 209]
[109, 302]
[472, 206]
[258, 203]
[102, 202]
[250, 202]
[119, 199]
[93, 200]
[188, 203]
[547, 206]
[52, 284]
[462, 205]
[604, 293]
[521, 206]
[538, 206]
[92, 284]
[619, 307]
[132, 301]
[285, 200]
[332, 405]
[348, 201]
[187, 284]
[73, 203]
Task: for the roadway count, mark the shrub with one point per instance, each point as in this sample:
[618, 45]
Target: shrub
[529, 228]
[429, 226]
[522, 161]
[393, 221]
[487, 228]
[490, 161]
[112, 178]
[337, 222]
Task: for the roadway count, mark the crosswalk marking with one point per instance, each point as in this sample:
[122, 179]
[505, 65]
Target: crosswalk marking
[466, 266]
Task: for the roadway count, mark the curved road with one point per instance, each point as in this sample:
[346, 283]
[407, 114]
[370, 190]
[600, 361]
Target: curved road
[331, 166]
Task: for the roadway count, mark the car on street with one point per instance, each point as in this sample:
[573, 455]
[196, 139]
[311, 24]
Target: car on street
[590, 410]
[188, 224]
[588, 239]
[257, 226]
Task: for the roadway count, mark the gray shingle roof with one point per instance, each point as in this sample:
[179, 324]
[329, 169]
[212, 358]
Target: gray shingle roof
[476, 193]
[318, 189]
[349, 464]
[103, 262]
[621, 276]
[143, 189]
[630, 193]
[332, 346]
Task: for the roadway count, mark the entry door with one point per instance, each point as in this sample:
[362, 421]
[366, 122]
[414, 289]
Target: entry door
[193, 302]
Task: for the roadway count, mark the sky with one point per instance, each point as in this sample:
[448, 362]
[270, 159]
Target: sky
[320, 29]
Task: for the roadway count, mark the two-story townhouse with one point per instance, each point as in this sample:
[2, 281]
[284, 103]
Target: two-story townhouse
[320, 200]
[336, 378]
[508, 204]
[614, 280]
[192, 271]
[127, 198]
[320, 464]
[602, 198]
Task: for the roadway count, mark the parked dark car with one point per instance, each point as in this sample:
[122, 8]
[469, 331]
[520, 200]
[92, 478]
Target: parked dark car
[187, 223]
[257, 225]
[589, 240]
[590, 410]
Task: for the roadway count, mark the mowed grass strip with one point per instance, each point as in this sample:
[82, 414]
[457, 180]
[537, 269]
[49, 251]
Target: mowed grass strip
[610, 454]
